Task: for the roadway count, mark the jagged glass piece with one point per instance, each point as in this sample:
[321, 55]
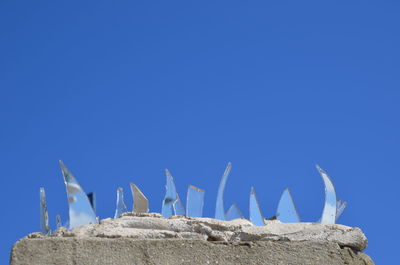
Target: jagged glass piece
[286, 212]
[256, 216]
[233, 213]
[171, 196]
[178, 207]
[219, 207]
[58, 221]
[341, 205]
[120, 205]
[140, 202]
[44, 215]
[92, 199]
[329, 212]
[194, 202]
[80, 209]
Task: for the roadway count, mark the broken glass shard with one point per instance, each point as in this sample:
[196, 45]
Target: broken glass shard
[219, 207]
[171, 196]
[178, 207]
[341, 205]
[80, 209]
[58, 221]
[44, 215]
[140, 202]
[256, 216]
[120, 205]
[92, 200]
[329, 211]
[233, 213]
[286, 212]
[194, 202]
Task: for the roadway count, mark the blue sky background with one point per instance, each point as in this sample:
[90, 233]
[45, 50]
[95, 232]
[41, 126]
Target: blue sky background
[120, 90]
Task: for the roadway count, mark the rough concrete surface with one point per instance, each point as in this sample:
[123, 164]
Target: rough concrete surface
[150, 239]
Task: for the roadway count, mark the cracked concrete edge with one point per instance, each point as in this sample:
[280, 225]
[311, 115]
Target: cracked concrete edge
[152, 226]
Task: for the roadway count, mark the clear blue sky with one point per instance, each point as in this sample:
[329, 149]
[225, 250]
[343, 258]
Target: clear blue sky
[120, 90]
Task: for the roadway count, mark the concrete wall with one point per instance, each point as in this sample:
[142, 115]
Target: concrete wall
[121, 251]
[150, 239]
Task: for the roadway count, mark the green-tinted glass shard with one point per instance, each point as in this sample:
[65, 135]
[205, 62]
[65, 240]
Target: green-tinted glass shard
[80, 209]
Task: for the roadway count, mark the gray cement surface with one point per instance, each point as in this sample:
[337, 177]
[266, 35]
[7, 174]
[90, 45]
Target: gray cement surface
[121, 251]
[150, 239]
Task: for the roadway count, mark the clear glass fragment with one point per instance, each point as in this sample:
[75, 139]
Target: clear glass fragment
[92, 199]
[140, 202]
[233, 213]
[330, 206]
[80, 209]
[219, 207]
[256, 216]
[286, 212]
[58, 221]
[169, 207]
[120, 205]
[341, 205]
[44, 215]
[194, 202]
[178, 207]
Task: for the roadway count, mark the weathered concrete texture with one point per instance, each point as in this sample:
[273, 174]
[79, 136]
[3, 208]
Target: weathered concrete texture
[150, 239]
[94, 251]
[152, 226]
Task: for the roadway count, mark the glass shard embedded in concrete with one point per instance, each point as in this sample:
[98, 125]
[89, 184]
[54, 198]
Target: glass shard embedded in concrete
[120, 205]
[44, 215]
[256, 216]
[82, 206]
[92, 200]
[80, 209]
[341, 205]
[233, 213]
[330, 206]
[194, 202]
[171, 196]
[58, 221]
[178, 207]
[219, 206]
[140, 202]
[286, 212]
